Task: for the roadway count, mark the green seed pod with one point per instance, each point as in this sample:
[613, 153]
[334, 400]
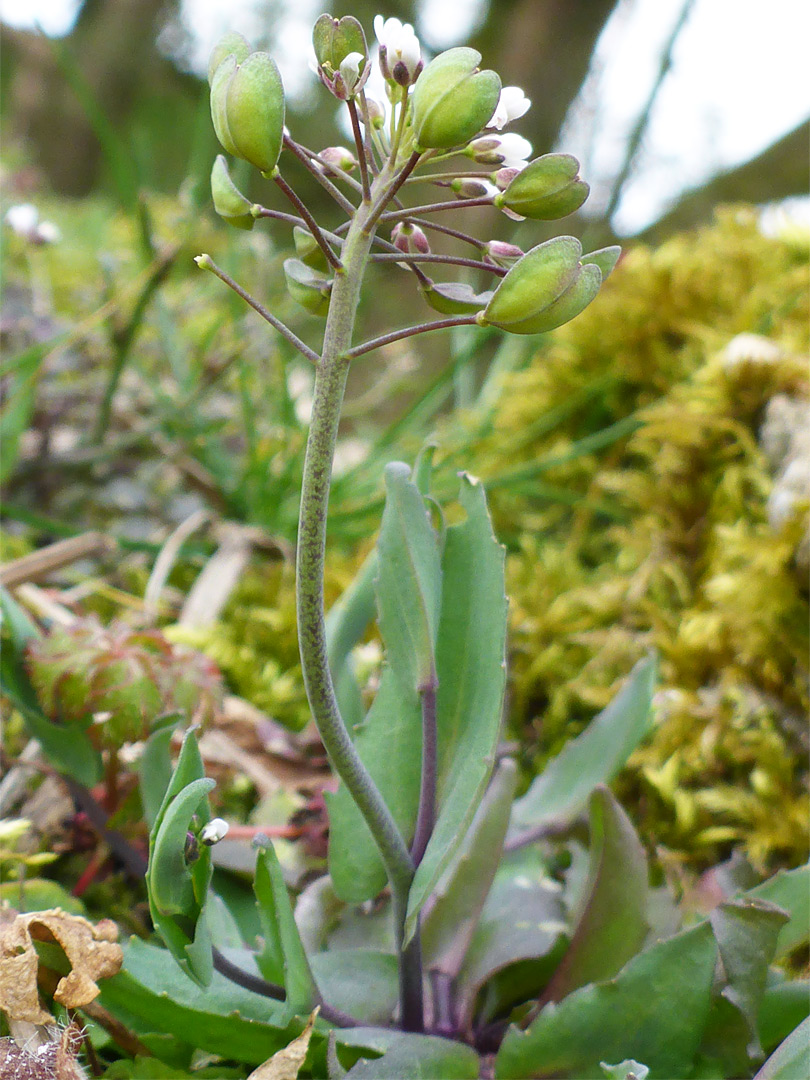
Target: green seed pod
[219, 91]
[455, 298]
[333, 40]
[229, 202]
[534, 282]
[232, 44]
[548, 188]
[308, 288]
[452, 100]
[254, 106]
[566, 307]
[308, 249]
[604, 258]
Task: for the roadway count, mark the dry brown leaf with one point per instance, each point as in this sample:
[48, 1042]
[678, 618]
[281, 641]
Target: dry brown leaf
[286, 1063]
[91, 950]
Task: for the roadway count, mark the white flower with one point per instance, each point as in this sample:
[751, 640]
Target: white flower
[350, 69]
[400, 51]
[214, 831]
[23, 219]
[512, 104]
[509, 151]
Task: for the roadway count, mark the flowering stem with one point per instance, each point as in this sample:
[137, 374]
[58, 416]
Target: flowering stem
[205, 262]
[361, 149]
[330, 384]
[432, 208]
[410, 331]
[312, 224]
[447, 231]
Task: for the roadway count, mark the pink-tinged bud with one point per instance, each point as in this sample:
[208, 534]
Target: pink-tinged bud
[337, 157]
[504, 177]
[409, 239]
[502, 254]
[376, 112]
[467, 188]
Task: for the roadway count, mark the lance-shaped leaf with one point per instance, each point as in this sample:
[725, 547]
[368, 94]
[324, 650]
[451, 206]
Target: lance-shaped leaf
[345, 625]
[178, 886]
[523, 919]
[746, 933]
[409, 582]
[790, 1060]
[452, 914]
[612, 923]
[790, 890]
[472, 671]
[655, 1011]
[595, 756]
[283, 958]
[389, 742]
[417, 1057]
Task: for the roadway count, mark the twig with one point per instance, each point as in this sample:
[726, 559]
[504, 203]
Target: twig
[361, 149]
[345, 204]
[409, 331]
[434, 208]
[388, 195]
[311, 223]
[205, 262]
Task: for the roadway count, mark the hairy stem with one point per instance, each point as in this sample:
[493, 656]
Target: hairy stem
[330, 384]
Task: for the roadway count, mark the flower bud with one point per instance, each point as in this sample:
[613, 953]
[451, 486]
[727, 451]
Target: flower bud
[308, 288]
[213, 831]
[504, 177]
[376, 113]
[534, 283]
[410, 239]
[400, 56]
[337, 157]
[510, 149]
[502, 254]
[453, 100]
[229, 202]
[455, 298]
[247, 108]
[548, 188]
[468, 188]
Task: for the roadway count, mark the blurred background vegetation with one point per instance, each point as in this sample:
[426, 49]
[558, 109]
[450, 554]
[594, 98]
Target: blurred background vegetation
[138, 393]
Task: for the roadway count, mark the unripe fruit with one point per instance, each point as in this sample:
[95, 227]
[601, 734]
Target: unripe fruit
[535, 282]
[455, 298]
[452, 100]
[229, 202]
[548, 188]
[247, 108]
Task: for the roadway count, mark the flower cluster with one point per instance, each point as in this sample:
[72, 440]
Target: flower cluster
[434, 114]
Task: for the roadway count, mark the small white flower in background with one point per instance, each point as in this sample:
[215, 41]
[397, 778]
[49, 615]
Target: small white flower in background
[512, 104]
[23, 219]
[214, 831]
[509, 151]
[400, 51]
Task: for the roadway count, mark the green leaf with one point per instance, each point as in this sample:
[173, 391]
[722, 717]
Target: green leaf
[361, 982]
[784, 1006]
[152, 994]
[18, 406]
[451, 916]
[655, 1011]
[612, 923]
[345, 625]
[154, 772]
[523, 920]
[791, 1060]
[746, 933]
[409, 582]
[420, 1057]
[788, 889]
[16, 621]
[281, 936]
[472, 672]
[595, 756]
[389, 742]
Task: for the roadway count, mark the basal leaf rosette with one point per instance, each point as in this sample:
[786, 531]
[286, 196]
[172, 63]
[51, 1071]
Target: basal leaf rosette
[453, 100]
